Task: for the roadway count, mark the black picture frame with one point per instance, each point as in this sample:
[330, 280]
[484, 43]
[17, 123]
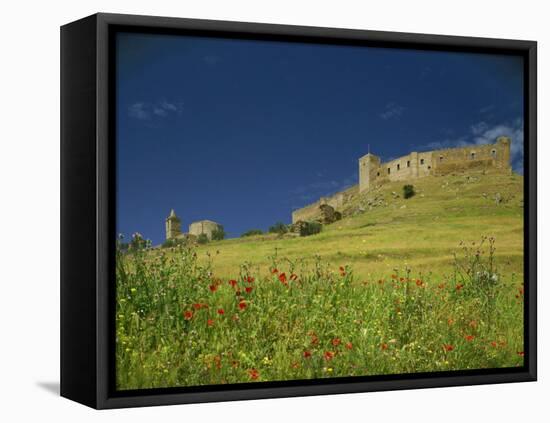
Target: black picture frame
[88, 200]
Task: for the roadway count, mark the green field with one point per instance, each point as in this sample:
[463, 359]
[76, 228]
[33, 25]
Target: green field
[429, 283]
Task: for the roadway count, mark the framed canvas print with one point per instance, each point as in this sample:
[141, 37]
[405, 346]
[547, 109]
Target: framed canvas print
[254, 211]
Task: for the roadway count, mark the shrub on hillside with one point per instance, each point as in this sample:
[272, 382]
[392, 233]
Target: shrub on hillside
[218, 234]
[252, 232]
[202, 239]
[278, 228]
[173, 243]
[310, 228]
[408, 191]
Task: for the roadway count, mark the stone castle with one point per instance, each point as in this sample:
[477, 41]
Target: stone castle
[414, 165]
[173, 228]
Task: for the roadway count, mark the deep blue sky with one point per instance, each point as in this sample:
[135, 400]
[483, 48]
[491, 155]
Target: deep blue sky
[242, 132]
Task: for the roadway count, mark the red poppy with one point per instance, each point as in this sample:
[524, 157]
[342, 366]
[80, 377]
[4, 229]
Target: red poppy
[493, 344]
[459, 286]
[293, 277]
[197, 306]
[242, 305]
[232, 282]
[210, 322]
[282, 277]
[220, 311]
[188, 315]
[521, 353]
[336, 342]
[401, 279]
[469, 338]
[254, 374]
[249, 279]
[349, 345]
[448, 347]
[307, 354]
[384, 346]
[450, 322]
[274, 270]
[248, 289]
[441, 286]
[213, 288]
[329, 355]
[394, 276]
[419, 282]
[342, 269]
[314, 340]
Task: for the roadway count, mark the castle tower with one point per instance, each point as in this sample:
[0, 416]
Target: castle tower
[503, 152]
[369, 165]
[173, 225]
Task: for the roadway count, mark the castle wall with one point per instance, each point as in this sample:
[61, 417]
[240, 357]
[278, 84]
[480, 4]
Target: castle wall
[439, 162]
[336, 201]
[412, 166]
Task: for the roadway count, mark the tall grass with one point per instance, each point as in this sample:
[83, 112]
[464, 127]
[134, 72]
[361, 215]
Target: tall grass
[178, 324]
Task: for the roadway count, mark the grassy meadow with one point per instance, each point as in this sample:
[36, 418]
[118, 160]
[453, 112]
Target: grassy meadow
[429, 283]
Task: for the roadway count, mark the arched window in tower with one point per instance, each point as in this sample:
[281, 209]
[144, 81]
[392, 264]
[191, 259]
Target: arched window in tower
[473, 155]
[389, 170]
[440, 159]
[398, 166]
[494, 154]
[421, 161]
[377, 173]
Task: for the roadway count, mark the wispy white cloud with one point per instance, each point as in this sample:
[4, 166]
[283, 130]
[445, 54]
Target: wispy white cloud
[487, 109]
[485, 133]
[392, 111]
[146, 110]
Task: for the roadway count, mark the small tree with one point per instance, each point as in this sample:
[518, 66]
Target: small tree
[408, 191]
[310, 228]
[138, 243]
[202, 239]
[278, 228]
[218, 234]
[252, 232]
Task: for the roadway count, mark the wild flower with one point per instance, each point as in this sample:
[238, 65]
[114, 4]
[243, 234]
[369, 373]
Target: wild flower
[253, 374]
[448, 347]
[328, 355]
[188, 314]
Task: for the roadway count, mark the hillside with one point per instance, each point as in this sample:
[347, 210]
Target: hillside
[382, 231]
